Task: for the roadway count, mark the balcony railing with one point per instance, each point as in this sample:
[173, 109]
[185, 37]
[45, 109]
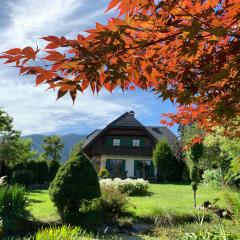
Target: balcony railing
[123, 150]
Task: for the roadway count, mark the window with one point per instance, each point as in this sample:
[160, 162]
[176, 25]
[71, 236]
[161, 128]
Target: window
[116, 142]
[136, 142]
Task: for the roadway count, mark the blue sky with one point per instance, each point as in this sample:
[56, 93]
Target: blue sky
[34, 110]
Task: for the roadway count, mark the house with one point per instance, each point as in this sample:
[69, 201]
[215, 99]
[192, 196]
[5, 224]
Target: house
[125, 147]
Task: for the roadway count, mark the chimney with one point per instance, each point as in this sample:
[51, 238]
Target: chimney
[132, 113]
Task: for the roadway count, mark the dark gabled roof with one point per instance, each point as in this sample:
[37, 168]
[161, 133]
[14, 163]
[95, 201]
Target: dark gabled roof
[160, 133]
[128, 120]
[91, 137]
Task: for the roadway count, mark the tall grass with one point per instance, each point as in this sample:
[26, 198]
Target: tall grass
[13, 204]
[63, 233]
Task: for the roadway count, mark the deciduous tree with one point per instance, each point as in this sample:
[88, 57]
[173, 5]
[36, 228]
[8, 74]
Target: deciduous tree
[187, 51]
[53, 146]
[9, 139]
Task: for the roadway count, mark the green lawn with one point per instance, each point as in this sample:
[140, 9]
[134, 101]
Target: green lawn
[167, 197]
[172, 197]
[41, 206]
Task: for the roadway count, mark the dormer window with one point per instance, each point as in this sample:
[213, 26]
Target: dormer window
[116, 142]
[136, 142]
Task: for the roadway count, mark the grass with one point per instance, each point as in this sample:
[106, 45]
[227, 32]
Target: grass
[164, 197]
[172, 198]
[41, 206]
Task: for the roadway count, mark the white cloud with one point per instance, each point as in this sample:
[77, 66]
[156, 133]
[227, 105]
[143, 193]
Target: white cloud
[36, 111]
[33, 109]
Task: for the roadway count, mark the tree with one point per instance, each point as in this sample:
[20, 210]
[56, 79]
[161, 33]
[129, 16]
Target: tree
[185, 50]
[196, 153]
[53, 146]
[9, 139]
[75, 182]
[77, 148]
[163, 159]
[24, 150]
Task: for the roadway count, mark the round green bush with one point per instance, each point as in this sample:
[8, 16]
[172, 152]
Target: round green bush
[75, 182]
[104, 173]
[24, 177]
[53, 167]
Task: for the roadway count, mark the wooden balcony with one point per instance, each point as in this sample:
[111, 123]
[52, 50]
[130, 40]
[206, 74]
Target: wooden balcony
[122, 150]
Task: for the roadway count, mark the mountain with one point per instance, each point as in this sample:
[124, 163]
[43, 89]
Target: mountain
[68, 140]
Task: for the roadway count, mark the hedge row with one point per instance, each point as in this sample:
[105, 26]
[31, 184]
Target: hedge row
[34, 172]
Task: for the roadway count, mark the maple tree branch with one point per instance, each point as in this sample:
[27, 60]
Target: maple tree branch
[191, 15]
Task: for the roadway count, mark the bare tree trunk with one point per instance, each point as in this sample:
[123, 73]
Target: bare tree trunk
[195, 198]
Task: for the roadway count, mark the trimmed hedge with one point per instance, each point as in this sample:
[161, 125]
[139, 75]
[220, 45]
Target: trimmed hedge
[24, 177]
[53, 167]
[38, 169]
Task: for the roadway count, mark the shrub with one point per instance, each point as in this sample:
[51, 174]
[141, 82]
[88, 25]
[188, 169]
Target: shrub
[132, 187]
[1, 229]
[19, 166]
[13, 202]
[63, 233]
[212, 177]
[33, 166]
[185, 175]
[113, 201]
[53, 167]
[24, 177]
[104, 173]
[211, 235]
[233, 204]
[75, 182]
[42, 172]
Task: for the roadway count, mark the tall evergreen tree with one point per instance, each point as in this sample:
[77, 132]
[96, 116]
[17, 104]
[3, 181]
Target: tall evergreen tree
[163, 158]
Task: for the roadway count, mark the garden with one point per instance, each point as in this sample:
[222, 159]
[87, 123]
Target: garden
[42, 198]
[185, 51]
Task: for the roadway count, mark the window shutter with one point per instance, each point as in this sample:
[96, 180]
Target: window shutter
[109, 141]
[142, 142]
[123, 166]
[135, 167]
[108, 165]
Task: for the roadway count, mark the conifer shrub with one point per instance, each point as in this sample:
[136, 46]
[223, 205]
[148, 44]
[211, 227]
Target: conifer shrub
[53, 167]
[75, 182]
[33, 166]
[42, 172]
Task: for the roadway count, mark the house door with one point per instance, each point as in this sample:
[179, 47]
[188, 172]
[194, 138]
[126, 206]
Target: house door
[116, 167]
[143, 169]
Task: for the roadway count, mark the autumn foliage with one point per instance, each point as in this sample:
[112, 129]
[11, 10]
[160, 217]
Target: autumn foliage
[187, 51]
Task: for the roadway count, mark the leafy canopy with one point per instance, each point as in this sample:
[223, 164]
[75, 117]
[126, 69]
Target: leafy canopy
[53, 146]
[187, 51]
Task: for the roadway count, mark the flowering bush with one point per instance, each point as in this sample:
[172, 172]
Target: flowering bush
[133, 187]
[113, 201]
